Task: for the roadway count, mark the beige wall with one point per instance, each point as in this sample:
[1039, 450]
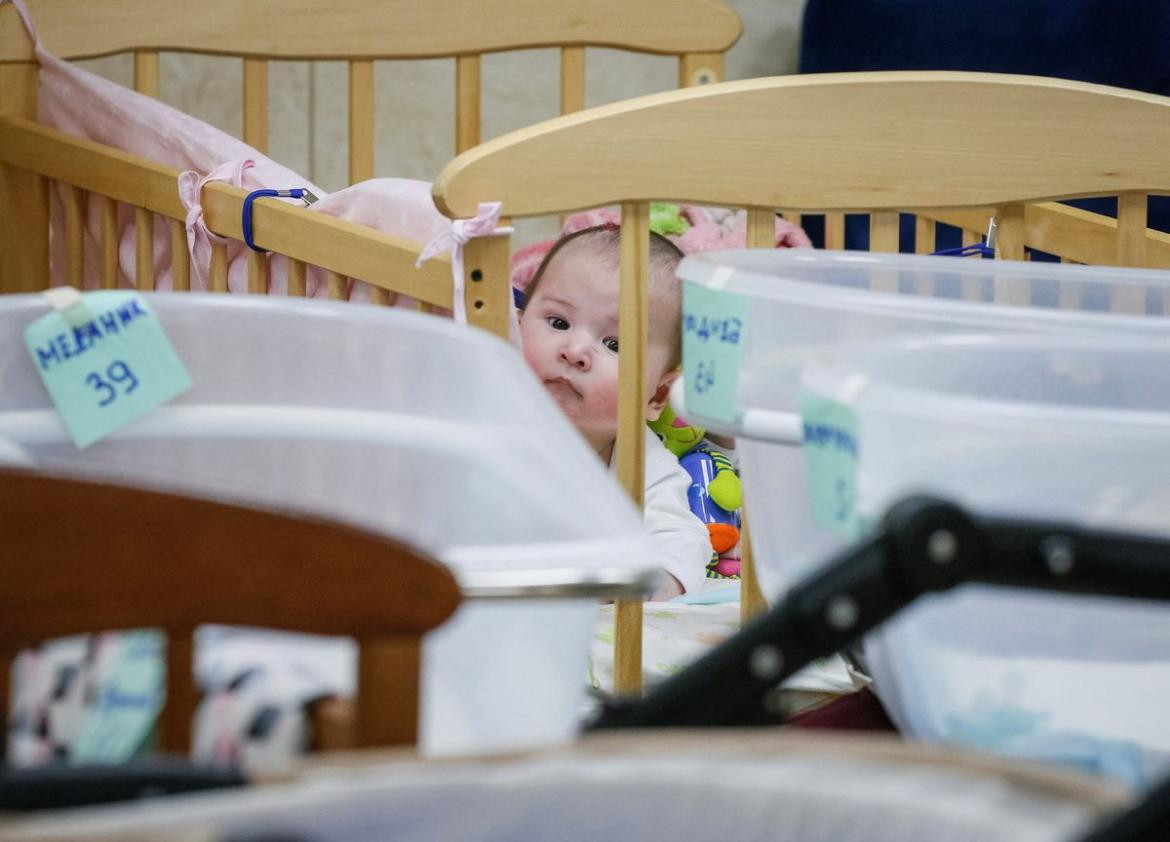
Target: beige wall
[415, 99]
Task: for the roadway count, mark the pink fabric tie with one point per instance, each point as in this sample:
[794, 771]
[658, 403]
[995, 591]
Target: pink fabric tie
[199, 237]
[483, 224]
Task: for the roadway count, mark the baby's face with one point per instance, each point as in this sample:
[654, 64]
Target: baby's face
[569, 334]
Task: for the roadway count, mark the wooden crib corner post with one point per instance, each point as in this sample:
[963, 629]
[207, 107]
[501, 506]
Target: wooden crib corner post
[761, 233]
[699, 69]
[487, 283]
[631, 441]
[24, 196]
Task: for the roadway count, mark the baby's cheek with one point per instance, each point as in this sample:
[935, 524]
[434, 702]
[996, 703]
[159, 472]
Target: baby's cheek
[606, 396]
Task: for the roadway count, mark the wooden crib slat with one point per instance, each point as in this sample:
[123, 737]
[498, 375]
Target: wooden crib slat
[883, 232]
[337, 286]
[109, 222]
[1009, 232]
[146, 72]
[180, 258]
[24, 224]
[257, 272]
[219, 268]
[883, 238]
[627, 647]
[1131, 229]
[970, 237]
[181, 694]
[74, 235]
[144, 249]
[466, 103]
[256, 103]
[572, 85]
[752, 602]
[699, 69]
[761, 228]
[361, 121]
[925, 234]
[632, 332]
[296, 278]
[380, 297]
[1009, 245]
[572, 79]
[630, 446]
[388, 692]
[834, 230]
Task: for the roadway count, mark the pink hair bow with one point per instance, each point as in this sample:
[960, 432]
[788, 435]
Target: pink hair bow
[483, 224]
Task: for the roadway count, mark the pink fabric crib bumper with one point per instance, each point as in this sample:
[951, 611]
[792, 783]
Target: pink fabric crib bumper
[84, 105]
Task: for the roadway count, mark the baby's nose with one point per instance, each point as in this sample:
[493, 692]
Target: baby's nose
[576, 354]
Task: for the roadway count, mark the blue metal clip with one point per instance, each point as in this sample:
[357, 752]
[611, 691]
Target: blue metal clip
[981, 249]
[301, 193]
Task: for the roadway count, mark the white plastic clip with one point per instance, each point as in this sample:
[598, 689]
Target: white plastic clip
[68, 302]
[62, 298]
[991, 233]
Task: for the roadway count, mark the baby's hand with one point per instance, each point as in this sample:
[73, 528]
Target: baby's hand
[668, 588]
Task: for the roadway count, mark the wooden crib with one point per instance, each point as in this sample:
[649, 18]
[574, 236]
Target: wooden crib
[695, 32]
[947, 147]
[358, 32]
[956, 148]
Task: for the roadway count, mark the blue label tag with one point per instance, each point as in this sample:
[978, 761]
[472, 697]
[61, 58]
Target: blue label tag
[831, 434]
[105, 362]
[714, 329]
[117, 724]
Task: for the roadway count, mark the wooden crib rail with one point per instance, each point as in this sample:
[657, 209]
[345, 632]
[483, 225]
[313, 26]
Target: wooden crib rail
[849, 141]
[376, 29]
[344, 248]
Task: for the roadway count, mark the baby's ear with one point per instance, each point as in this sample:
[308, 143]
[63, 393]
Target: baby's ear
[661, 394]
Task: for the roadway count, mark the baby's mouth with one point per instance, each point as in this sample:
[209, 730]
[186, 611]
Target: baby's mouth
[558, 386]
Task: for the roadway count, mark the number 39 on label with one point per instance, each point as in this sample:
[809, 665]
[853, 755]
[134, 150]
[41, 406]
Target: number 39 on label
[116, 372]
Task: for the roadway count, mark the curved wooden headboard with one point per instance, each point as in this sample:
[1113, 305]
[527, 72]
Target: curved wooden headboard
[848, 141]
[374, 29]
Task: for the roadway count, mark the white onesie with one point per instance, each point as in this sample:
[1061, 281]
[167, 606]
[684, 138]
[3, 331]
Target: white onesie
[680, 540]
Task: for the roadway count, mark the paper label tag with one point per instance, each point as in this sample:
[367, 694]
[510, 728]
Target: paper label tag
[105, 361]
[831, 436]
[118, 723]
[714, 329]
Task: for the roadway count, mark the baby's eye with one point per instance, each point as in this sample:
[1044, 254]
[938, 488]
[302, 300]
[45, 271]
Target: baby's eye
[557, 323]
[611, 343]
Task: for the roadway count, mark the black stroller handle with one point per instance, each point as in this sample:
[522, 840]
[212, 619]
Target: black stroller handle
[923, 545]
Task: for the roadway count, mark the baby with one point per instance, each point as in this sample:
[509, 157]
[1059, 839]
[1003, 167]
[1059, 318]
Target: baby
[568, 330]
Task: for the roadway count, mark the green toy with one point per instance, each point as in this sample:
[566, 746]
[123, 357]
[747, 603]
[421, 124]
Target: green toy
[716, 492]
[666, 218]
